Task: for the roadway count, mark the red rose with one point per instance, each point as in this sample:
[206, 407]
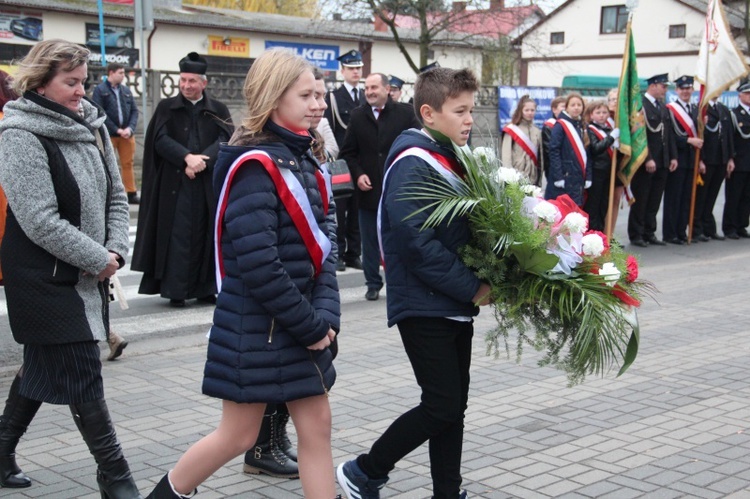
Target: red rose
[632, 267]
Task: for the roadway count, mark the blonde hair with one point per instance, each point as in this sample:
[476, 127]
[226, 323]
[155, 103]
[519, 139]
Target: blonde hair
[270, 76]
[45, 60]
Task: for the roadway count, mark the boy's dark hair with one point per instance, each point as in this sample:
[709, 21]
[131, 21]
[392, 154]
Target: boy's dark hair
[436, 86]
[557, 101]
[317, 73]
[114, 66]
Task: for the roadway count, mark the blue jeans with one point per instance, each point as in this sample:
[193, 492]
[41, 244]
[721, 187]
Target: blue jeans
[368, 230]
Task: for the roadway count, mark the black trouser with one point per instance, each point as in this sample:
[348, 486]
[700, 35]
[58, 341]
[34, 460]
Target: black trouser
[737, 204]
[677, 195]
[597, 201]
[368, 229]
[439, 350]
[647, 190]
[347, 232]
[705, 199]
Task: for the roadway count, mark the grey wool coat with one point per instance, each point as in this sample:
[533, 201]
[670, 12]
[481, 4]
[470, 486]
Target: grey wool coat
[59, 234]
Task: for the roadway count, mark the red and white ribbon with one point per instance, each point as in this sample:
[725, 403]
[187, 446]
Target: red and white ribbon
[601, 136]
[611, 122]
[576, 142]
[523, 141]
[438, 162]
[550, 122]
[683, 118]
[294, 198]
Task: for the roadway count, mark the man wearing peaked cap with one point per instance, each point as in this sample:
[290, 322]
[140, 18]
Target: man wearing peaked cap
[174, 240]
[352, 59]
[341, 102]
[396, 85]
[678, 191]
[650, 180]
[430, 66]
[736, 216]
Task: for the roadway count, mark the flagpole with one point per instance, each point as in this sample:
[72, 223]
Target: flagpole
[696, 167]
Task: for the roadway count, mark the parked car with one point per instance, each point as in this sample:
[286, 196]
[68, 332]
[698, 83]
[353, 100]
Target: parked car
[28, 27]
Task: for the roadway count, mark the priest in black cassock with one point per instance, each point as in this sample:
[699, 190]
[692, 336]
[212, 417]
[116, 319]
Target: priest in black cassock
[174, 239]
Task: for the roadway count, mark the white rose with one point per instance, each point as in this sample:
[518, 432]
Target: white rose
[547, 211]
[576, 223]
[508, 175]
[485, 155]
[592, 245]
[532, 190]
[610, 273]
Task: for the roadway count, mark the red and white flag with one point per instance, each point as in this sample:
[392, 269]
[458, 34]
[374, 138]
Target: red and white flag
[720, 63]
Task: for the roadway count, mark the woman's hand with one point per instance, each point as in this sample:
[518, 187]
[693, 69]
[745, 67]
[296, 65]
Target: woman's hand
[111, 268]
[325, 342]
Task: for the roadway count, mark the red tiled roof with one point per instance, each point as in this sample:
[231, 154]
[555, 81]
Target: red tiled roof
[478, 22]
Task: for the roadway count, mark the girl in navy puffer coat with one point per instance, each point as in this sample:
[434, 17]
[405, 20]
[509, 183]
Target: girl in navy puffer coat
[278, 306]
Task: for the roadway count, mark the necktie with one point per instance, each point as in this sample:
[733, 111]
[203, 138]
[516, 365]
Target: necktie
[355, 95]
[377, 111]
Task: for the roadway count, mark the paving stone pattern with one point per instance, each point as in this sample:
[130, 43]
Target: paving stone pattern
[674, 426]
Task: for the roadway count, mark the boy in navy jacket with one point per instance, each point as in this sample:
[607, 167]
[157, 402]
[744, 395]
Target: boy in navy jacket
[432, 296]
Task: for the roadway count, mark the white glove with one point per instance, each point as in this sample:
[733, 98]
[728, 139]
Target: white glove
[616, 144]
[615, 134]
[560, 184]
[587, 184]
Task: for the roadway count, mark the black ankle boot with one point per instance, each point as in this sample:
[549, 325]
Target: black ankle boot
[19, 411]
[278, 426]
[113, 475]
[164, 490]
[267, 457]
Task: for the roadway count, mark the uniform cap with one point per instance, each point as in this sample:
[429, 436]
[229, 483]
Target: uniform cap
[352, 59]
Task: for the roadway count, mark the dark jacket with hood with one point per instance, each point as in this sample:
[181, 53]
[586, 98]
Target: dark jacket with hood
[271, 306]
[425, 276]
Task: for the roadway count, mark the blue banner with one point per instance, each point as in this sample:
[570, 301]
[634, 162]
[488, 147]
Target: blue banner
[323, 56]
[508, 98]
[729, 99]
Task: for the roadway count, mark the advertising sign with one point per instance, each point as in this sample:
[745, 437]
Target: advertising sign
[118, 45]
[21, 27]
[508, 98]
[323, 56]
[226, 46]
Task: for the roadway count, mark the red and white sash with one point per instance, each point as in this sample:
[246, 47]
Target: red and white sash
[601, 135]
[576, 142]
[611, 122]
[523, 141]
[294, 198]
[550, 122]
[683, 118]
[438, 162]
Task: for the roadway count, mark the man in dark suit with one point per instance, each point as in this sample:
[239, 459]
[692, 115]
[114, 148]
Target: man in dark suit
[737, 205]
[649, 181]
[716, 161]
[341, 102]
[679, 189]
[372, 130]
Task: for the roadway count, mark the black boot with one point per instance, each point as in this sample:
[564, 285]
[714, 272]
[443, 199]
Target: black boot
[266, 456]
[113, 474]
[164, 490]
[19, 411]
[278, 425]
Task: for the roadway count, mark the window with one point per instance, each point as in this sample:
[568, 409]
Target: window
[677, 31]
[614, 19]
[557, 38]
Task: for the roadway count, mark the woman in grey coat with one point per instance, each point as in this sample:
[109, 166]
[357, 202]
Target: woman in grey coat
[66, 235]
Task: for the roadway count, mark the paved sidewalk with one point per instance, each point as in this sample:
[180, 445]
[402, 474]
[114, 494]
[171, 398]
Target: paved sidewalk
[673, 426]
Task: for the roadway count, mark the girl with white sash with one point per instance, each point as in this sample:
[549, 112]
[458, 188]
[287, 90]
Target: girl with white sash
[522, 141]
[602, 147]
[568, 170]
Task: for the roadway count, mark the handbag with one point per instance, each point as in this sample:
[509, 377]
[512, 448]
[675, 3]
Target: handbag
[341, 179]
